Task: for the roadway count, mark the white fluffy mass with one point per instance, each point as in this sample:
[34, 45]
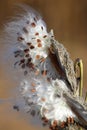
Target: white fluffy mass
[39, 89]
[48, 97]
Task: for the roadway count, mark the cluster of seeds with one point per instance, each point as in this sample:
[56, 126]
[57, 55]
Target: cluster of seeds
[34, 44]
[58, 125]
[44, 94]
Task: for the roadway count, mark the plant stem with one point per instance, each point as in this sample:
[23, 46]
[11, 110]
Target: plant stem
[81, 78]
[86, 97]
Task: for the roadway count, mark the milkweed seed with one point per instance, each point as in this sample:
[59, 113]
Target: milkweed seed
[44, 72]
[27, 55]
[38, 40]
[29, 60]
[26, 50]
[42, 27]
[32, 47]
[37, 57]
[33, 84]
[33, 24]
[25, 30]
[37, 34]
[35, 19]
[44, 36]
[23, 66]
[39, 45]
[22, 61]
[43, 99]
[29, 43]
[20, 39]
[33, 90]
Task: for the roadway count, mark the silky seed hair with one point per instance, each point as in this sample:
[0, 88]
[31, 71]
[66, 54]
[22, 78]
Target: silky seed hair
[43, 86]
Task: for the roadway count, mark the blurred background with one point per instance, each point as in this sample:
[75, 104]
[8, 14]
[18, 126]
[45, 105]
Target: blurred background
[68, 19]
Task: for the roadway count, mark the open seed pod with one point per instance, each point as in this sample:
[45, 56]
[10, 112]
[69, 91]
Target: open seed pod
[50, 83]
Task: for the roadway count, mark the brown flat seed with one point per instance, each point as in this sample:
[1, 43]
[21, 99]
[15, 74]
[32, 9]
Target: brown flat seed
[38, 40]
[20, 39]
[22, 61]
[42, 27]
[43, 118]
[44, 72]
[23, 66]
[33, 84]
[46, 120]
[37, 57]
[17, 55]
[35, 19]
[44, 36]
[29, 59]
[33, 24]
[39, 45]
[25, 30]
[31, 65]
[29, 43]
[43, 99]
[33, 90]
[27, 55]
[32, 47]
[37, 34]
[26, 50]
